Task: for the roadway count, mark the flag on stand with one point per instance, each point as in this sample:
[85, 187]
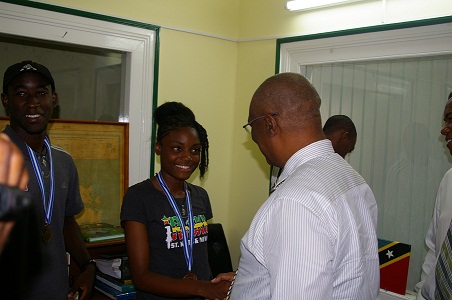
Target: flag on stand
[394, 263]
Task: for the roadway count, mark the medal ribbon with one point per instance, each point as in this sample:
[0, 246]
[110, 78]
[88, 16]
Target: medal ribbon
[188, 247]
[48, 204]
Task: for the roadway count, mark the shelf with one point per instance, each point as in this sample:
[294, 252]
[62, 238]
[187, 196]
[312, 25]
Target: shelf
[105, 243]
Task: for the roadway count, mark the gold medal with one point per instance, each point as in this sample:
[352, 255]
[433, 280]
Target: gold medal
[46, 235]
[190, 276]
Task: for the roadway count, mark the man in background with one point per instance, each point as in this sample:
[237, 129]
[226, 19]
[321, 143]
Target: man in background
[50, 228]
[341, 131]
[315, 236]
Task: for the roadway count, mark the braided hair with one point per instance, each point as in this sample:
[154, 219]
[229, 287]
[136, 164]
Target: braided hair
[174, 115]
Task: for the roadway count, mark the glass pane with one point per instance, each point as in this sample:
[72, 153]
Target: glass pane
[397, 107]
[89, 81]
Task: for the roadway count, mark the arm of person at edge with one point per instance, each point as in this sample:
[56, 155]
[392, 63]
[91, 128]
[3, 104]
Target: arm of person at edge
[76, 247]
[429, 263]
[12, 173]
[138, 251]
[224, 277]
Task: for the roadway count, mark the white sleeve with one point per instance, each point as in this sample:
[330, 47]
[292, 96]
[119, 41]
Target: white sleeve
[298, 254]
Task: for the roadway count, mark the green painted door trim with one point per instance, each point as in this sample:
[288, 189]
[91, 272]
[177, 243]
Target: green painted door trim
[376, 28]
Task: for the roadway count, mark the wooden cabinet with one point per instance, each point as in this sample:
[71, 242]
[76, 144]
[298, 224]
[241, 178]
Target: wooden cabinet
[97, 248]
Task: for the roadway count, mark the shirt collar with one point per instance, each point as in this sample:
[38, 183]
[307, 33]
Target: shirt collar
[304, 155]
[16, 139]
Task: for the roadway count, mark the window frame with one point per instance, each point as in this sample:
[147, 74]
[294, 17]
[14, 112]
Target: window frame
[139, 42]
[383, 42]
[416, 38]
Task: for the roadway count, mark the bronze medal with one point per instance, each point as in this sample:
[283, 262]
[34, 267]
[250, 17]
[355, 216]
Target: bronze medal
[190, 276]
[46, 235]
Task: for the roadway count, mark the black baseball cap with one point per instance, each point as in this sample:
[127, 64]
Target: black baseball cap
[26, 66]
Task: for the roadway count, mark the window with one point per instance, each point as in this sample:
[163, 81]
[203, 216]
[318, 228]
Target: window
[88, 81]
[393, 84]
[123, 55]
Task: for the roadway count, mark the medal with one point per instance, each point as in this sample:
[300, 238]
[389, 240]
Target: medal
[187, 233]
[46, 235]
[47, 199]
[190, 276]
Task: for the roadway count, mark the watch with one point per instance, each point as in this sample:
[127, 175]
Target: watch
[86, 263]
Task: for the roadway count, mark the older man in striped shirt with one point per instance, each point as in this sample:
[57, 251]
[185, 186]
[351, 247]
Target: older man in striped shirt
[315, 236]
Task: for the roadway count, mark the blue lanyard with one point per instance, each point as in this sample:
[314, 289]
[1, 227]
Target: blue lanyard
[48, 204]
[188, 246]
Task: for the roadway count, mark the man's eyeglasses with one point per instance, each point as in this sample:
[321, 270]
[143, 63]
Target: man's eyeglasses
[247, 126]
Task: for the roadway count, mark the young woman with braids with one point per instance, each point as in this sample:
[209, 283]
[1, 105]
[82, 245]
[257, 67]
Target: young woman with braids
[165, 261]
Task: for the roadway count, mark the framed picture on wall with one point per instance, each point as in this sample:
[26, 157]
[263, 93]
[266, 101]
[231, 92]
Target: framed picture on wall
[100, 152]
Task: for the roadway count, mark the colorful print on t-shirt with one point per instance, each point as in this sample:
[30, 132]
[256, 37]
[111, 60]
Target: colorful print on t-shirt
[174, 237]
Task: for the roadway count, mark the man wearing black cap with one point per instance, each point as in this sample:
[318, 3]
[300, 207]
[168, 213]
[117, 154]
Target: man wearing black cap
[29, 98]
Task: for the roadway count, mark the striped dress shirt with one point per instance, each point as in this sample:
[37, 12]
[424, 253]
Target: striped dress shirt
[315, 236]
[442, 216]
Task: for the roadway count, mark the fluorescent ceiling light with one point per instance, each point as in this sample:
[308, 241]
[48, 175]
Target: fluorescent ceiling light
[313, 4]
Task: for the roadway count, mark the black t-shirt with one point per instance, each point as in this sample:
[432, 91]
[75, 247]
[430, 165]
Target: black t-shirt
[42, 268]
[143, 203]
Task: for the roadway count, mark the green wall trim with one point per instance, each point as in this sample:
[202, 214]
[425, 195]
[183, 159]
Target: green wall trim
[278, 56]
[126, 22]
[376, 28]
[82, 13]
[155, 99]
